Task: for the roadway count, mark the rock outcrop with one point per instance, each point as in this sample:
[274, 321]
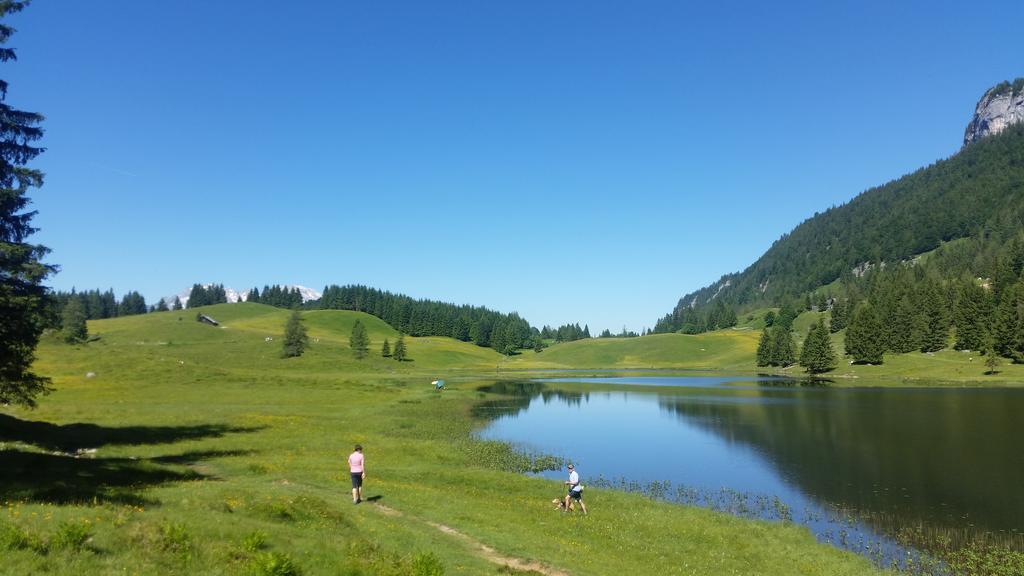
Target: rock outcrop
[1001, 106]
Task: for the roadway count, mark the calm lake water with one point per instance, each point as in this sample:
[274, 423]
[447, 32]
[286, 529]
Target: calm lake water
[859, 466]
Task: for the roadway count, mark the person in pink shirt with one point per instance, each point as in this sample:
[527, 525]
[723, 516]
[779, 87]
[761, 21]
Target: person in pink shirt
[357, 468]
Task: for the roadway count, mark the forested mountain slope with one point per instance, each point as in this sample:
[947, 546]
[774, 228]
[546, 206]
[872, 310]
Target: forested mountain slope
[974, 194]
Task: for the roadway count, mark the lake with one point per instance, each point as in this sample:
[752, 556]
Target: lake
[871, 469]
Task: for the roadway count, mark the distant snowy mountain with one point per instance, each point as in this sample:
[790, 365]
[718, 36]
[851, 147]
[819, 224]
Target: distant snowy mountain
[235, 296]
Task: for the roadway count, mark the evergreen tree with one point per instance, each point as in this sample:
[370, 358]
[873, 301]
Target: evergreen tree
[197, 296]
[783, 348]
[161, 306]
[537, 343]
[840, 315]
[359, 341]
[385, 350]
[769, 318]
[764, 348]
[177, 304]
[935, 326]
[904, 326]
[817, 355]
[787, 314]
[973, 317]
[73, 322]
[22, 272]
[254, 295]
[295, 338]
[1008, 329]
[728, 318]
[865, 341]
[399, 352]
[131, 304]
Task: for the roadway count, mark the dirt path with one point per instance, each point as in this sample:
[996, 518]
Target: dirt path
[485, 551]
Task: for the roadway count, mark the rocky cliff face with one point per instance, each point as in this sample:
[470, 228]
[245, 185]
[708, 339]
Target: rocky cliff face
[1000, 107]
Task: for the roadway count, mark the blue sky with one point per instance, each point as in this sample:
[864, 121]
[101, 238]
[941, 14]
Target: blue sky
[581, 162]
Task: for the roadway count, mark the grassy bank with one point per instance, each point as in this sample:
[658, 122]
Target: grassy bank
[195, 449]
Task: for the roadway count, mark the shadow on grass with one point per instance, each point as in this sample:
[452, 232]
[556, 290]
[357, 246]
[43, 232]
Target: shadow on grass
[374, 498]
[70, 437]
[64, 476]
[55, 479]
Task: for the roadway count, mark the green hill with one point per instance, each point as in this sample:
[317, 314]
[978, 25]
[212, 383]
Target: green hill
[720, 350]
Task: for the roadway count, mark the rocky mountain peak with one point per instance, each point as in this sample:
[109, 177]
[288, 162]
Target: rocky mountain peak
[1001, 106]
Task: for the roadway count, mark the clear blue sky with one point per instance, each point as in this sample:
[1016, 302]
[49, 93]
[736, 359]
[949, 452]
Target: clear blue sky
[573, 161]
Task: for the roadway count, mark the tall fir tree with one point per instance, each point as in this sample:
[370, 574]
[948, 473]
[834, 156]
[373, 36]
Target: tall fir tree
[359, 341]
[783, 347]
[1008, 328]
[817, 355]
[399, 352]
[865, 341]
[197, 296]
[840, 315]
[161, 306]
[764, 348]
[973, 316]
[73, 326]
[385, 350]
[905, 326]
[177, 304]
[295, 338]
[935, 314]
[22, 271]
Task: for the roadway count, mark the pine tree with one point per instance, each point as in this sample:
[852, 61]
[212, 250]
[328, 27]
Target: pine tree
[295, 338]
[385, 350]
[817, 355]
[973, 317]
[840, 315]
[359, 341]
[787, 314]
[197, 296]
[865, 341]
[177, 304]
[783, 348]
[399, 352]
[904, 326]
[254, 295]
[73, 324]
[161, 306]
[22, 272]
[764, 348]
[935, 325]
[1008, 328]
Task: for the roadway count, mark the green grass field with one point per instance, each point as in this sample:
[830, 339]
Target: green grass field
[196, 449]
[734, 350]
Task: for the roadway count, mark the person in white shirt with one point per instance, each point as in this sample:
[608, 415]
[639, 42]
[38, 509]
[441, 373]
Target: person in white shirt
[575, 490]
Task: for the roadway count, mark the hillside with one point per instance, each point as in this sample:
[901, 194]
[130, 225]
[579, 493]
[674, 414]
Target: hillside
[720, 350]
[970, 195]
[249, 339]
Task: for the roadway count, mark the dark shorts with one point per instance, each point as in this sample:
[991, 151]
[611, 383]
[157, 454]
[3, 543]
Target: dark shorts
[577, 495]
[357, 479]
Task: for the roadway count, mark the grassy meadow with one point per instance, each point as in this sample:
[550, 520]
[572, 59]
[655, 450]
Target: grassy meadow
[197, 449]
[734, 350]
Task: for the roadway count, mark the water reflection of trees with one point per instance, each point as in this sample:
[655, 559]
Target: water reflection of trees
[516, 395]
[910, 456]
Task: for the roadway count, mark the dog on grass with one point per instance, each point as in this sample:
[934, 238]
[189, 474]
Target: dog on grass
[560, 505]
